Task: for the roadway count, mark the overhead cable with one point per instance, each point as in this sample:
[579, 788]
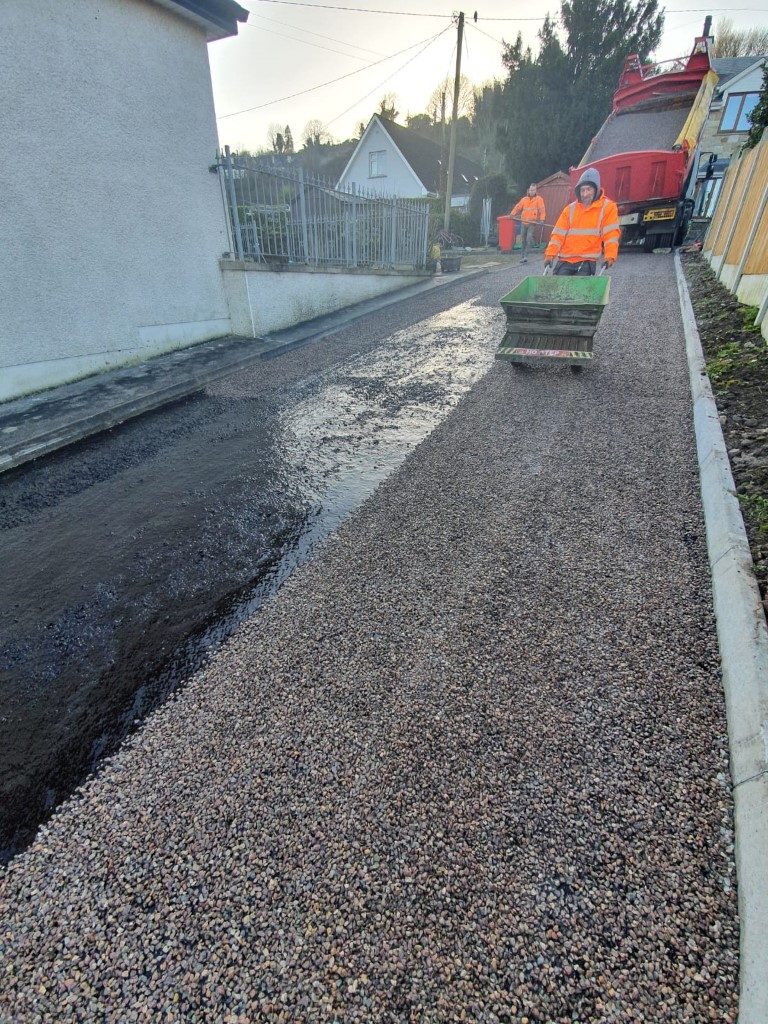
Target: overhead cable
[321, 85]
[307, 42]
[306, 31]
[389, 77]
[359, 10]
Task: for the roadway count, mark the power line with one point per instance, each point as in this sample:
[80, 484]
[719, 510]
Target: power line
[389, 77]
[307, 42]
[306, 31]
[424, 14]
[360, 10]
[487, 34]
[669, 10]
[313, 88]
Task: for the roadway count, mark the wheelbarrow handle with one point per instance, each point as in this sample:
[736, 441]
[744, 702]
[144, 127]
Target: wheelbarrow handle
[547, 270]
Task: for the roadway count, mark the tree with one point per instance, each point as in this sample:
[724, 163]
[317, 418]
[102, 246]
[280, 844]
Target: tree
[552, 105]
[484, 129]
[758, 118]
[739, 42]
[287, 140]
[466, 99]
[420, 123]
[314, 133]
[387, 106]
[276, 138]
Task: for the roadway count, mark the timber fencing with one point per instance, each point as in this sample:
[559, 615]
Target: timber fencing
[736, 244]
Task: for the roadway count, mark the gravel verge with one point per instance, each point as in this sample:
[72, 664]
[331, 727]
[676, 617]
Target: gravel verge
[470, 764]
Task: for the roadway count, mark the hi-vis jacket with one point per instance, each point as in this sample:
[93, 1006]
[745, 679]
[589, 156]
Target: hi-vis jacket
[530, 210]
[585, 233]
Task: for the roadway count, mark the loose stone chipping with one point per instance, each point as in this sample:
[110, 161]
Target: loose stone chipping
[469, 765]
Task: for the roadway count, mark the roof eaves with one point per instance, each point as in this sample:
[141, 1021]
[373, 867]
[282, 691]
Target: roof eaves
[728, 79]
[219, 18]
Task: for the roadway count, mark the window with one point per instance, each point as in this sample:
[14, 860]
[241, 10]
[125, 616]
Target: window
[737, 110]
[377, 164]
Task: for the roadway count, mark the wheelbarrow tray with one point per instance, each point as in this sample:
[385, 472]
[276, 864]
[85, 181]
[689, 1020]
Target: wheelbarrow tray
[553, 319]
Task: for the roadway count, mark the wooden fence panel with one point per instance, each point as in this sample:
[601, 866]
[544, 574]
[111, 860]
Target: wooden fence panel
[722, 202]
[744, 165]
[757, 260]
[746, 212]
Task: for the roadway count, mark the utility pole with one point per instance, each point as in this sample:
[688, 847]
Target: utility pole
[443, 151]
[452, 145]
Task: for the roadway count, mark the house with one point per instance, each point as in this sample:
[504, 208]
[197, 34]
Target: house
[726, 128]
[112, 225]
[393, 160]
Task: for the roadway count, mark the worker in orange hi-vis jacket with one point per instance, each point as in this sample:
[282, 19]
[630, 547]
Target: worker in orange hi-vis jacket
[530, 212]
[585, 230]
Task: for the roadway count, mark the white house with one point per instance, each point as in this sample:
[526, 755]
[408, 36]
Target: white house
[112, 224]
[726, 128]
[393, 160]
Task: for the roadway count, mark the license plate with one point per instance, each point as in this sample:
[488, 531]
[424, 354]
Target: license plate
[629, 218]
[669, 214]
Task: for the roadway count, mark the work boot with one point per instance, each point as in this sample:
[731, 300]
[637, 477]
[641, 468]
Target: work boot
[523, 259]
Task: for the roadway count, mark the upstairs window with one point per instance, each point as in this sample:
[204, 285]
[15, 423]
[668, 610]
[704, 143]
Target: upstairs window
[739, 106]
[377, 163]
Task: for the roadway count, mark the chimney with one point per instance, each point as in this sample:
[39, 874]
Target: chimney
[707, 26]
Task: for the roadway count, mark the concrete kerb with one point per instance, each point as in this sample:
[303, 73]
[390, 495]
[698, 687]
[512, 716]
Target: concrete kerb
[51, 437]
[743, 640]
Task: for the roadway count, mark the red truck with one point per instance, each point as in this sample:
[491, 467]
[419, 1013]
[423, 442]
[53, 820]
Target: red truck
[646, 148]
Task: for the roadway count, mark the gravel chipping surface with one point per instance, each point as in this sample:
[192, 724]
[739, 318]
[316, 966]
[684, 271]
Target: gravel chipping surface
[470, 764]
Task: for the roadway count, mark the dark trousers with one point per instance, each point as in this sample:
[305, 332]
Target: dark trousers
[527, 229]
[584, 269]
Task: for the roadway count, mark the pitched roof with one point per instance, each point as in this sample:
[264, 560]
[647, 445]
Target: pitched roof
[424, 155]
[729, 67]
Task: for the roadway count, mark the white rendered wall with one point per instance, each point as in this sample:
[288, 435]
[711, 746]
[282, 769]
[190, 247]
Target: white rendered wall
[261, 301]
[399, 179]
[112, 225]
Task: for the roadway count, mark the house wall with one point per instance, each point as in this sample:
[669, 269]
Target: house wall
[399, 179]
[262, 301]
[725, 145]
[112, 225]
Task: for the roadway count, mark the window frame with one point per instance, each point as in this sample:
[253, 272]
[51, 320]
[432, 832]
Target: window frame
[741, 96]
[382, 154]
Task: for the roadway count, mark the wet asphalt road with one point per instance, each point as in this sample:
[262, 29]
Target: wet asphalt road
[470, 764]
[129, 557]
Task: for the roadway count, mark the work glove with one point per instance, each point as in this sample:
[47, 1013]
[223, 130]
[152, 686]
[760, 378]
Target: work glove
[608, 261]
[547, 263]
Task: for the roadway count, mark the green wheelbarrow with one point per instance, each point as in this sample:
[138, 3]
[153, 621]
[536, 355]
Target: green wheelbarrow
[553, 319]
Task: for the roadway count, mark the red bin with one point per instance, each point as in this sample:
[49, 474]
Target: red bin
[506, 233]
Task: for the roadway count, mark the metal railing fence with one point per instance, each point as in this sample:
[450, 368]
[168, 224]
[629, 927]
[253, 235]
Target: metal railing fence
[280, 215]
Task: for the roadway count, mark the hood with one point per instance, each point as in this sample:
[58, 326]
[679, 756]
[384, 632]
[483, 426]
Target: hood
[591, 176]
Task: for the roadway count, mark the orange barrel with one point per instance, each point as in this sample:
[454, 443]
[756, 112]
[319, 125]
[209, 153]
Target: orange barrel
[506, 233]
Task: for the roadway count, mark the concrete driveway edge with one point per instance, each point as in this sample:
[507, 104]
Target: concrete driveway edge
[743, 640]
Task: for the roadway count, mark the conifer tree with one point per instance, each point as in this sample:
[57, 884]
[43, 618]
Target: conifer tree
[758, 118]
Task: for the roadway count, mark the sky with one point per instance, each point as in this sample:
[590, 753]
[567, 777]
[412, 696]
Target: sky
[288, 47]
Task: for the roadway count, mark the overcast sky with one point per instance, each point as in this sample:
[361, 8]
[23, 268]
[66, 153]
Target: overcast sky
[289, 47]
